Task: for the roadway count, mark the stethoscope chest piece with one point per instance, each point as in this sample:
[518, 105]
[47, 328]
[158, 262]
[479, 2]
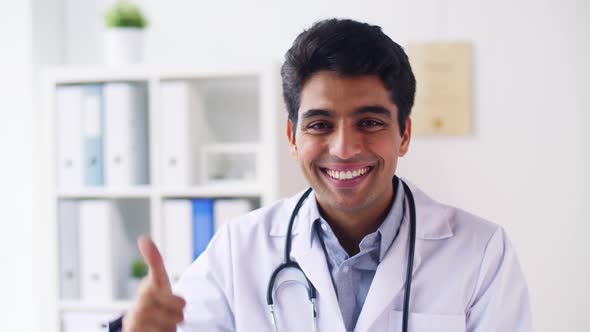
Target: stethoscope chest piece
[287, 286]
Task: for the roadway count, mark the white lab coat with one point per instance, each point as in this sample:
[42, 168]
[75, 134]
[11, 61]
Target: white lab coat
[466, 277]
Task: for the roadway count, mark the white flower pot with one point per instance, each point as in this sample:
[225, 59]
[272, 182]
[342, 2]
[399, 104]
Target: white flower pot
[123, 46]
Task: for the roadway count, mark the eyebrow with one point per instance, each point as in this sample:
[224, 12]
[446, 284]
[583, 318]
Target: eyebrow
[373, 109]
[316, 112]
[361, 110]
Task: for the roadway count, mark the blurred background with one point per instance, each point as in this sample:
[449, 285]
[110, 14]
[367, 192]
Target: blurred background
[525, 165]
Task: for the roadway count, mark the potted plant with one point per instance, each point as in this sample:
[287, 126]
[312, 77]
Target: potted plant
[123, 37]
[139, 270]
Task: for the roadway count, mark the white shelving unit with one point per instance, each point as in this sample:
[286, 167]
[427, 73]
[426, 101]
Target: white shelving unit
[262, 145]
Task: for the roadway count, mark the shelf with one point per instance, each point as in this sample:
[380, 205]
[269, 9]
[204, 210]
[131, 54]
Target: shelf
[220, 189]
[134, 192]
[76, 74]
[232, 155]
[231, 148]
[73, 305]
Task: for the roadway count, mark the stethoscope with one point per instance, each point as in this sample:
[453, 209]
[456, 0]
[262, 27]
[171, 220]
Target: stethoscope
[311, 291]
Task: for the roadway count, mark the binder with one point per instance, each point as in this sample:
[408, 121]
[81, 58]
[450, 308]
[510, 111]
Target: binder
[128, 219]
[69, 131]
[177, 162]
[126, 134]
[225, 210]
[101, 231]
[69, 271]
[203, 225]
[178, 241]
[81, 321]
[183, 130]
[92, 117]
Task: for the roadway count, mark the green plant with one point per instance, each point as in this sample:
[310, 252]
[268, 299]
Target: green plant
[139, 269]
[124, 14]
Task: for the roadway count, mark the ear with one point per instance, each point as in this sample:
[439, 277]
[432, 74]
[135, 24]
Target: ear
[291, 138]
[406, 138]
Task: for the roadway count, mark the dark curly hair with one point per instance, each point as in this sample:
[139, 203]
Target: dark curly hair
[349, 48]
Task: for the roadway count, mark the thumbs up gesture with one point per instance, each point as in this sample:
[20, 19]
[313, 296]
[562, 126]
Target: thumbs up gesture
[156, 308]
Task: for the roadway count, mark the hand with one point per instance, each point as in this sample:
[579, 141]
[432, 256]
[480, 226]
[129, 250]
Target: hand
[156, 309]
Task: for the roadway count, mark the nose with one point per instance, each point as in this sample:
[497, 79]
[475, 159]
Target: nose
[345, 143]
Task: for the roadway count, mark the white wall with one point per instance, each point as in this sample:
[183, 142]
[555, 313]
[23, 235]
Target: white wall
[29, 35]
[525, 165]
[18, 307]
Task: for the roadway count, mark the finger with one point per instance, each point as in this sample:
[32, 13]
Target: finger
[147, 327]
[161, 299]
[157, 297]
[153, 258]
[161, 318]
[164, 321]
[155, 311]
[132, 322]
[170, 302]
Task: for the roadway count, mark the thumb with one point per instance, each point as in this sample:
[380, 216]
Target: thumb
[153, 258]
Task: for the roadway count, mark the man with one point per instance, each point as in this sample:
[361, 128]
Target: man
[349, 90]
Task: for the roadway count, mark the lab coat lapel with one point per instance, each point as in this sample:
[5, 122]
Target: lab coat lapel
[309, 253]
[389, 278]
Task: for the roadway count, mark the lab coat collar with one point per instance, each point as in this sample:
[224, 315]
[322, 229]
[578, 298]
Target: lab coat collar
[433, 219]
[309, 253]
[302, 220]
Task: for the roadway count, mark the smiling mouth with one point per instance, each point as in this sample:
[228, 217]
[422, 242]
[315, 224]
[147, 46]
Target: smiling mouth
[348, 174]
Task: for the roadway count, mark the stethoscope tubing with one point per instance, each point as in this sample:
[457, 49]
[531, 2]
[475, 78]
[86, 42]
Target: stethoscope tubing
[411, 250]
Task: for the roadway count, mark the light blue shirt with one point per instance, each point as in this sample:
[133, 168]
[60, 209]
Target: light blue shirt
[352, 276]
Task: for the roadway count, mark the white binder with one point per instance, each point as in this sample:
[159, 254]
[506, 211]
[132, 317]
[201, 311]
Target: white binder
[92, 137]
[184, 129]
[178, 243]
[126, 134]
[101, 230]
[225, 210]
[69, 137]
[69, 270]
[80, 321]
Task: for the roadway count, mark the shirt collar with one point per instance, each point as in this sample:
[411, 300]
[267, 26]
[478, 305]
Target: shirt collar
[388, 229]
[434, 220]
[390, 226]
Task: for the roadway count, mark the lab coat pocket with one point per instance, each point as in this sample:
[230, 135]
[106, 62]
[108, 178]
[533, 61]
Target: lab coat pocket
[418, 322]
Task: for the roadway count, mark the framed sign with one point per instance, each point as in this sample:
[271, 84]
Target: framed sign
[443, 104]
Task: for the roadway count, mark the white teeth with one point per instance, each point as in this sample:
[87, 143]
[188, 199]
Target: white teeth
[347, 175]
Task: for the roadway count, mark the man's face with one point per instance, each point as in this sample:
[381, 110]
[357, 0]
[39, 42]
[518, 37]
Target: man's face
[347, 141]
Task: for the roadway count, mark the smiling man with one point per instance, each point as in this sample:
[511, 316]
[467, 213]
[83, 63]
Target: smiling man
[347, 140]
[361, 250]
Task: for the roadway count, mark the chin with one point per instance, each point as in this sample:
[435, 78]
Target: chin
[349, 204]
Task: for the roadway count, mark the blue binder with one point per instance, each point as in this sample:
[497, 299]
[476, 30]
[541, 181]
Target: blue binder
[203, 225]
[93, 128]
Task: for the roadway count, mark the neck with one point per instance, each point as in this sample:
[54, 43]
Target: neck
[350, 227]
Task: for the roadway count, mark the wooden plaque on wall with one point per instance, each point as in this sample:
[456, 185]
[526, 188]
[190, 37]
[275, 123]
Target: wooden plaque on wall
[443, 73]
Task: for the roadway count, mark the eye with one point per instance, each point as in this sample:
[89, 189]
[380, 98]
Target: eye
[371, 124]
[318, 127]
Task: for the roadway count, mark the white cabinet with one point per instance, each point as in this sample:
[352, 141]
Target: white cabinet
[162, 135]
